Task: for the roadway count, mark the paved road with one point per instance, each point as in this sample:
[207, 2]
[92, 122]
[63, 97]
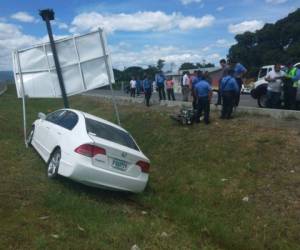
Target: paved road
[246, 100]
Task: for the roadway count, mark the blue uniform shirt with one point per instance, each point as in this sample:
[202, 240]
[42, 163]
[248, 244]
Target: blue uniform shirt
[147, 85]
[228, 83]
[202, 88]
[239, 69]
[194, 81]
[160, 80]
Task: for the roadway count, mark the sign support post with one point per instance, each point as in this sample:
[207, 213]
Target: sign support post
[48, 15]
[23, 99]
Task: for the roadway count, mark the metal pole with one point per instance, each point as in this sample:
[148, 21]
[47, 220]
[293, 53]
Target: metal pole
[109, 76]
[48, 15]
[23, 99]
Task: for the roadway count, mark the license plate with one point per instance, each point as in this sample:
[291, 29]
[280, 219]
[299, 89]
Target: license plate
[119, 164]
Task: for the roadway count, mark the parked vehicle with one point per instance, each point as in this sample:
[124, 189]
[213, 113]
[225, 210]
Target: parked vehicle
[259, 91]
[89, 150]
[245, 90]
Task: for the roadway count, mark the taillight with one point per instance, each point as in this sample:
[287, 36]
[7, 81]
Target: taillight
[90, 150]
[145, 166]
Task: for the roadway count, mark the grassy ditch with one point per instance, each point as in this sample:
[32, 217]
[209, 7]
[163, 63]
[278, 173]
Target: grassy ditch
[230, 185]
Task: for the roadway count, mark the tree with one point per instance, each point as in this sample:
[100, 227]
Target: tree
[160, 64]
[187, 65]
[274, 43]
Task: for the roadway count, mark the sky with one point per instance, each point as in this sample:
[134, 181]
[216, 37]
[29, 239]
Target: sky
[140, 32]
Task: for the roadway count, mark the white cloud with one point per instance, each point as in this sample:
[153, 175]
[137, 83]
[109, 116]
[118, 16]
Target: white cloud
[245, 26]
[148, 55]
[185, 2]
[60, 25]
[23, 17]
[220, 8]
[276, 1]
[139, 21]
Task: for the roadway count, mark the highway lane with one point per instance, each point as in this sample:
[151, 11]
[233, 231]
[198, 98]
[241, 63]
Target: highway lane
[246, 100]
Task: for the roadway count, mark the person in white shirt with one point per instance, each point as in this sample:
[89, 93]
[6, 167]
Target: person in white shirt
[185, 86]
[132, 87]
[274, 79]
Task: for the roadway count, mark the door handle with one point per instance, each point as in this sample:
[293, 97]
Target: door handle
[47, 128]
[59, 133]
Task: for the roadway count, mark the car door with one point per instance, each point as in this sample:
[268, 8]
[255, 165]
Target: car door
[60, 131]
[51, 125]
[41, 133]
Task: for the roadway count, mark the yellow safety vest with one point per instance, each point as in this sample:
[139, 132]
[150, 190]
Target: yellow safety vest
[291, 74]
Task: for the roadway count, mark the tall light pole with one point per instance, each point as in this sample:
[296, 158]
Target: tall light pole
[48, 15]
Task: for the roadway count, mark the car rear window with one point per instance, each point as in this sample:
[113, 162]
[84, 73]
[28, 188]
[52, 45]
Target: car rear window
[110, 133]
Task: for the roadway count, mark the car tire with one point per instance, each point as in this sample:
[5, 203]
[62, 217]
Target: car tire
[262, 101]
[30, 137]
[53, 164]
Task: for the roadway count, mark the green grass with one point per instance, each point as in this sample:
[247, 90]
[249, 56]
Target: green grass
[199, 176]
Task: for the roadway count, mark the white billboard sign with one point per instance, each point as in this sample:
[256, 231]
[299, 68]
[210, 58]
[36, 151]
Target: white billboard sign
[84, 60]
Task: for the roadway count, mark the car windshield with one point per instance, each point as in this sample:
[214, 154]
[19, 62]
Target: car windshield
[110, 133]
[262, 73]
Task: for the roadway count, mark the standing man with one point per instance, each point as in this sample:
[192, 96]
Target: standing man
[185, 86]
[160, 84]
[274, 79]
[224, 72]
[170, 88]
[147, 86]
[203, 91]
[239, 72]
[290, 87]
[132, 87]
[228, 90]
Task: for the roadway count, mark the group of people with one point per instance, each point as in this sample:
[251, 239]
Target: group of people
[279, 80]
[199, 85]
[137, 86]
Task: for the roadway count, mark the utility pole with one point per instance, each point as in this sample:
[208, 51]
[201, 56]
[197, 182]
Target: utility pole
[48, 15]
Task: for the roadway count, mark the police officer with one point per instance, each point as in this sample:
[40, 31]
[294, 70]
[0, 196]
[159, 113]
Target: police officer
[160, 83]
[203, 92]
[147, 86]
[239, 72]
[228, 89]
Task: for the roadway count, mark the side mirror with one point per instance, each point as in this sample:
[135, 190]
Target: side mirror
[42, 116]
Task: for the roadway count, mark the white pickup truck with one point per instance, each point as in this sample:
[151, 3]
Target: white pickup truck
[259, 91]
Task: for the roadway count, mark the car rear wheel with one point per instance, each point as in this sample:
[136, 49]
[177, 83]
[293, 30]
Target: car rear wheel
[262, 101]
[30, 136]
[53, 164]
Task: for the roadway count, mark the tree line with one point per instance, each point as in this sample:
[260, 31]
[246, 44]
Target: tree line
[274, 43]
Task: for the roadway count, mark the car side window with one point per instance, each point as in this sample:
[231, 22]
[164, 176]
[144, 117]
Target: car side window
[55, 116]
[69, 120]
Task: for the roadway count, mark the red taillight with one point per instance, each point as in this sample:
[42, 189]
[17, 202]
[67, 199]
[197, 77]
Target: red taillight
[145, 166]
[90, 150]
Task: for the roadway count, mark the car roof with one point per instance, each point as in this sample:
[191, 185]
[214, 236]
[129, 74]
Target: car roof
[93, 117]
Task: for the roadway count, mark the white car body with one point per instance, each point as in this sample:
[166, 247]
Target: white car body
[115, 167]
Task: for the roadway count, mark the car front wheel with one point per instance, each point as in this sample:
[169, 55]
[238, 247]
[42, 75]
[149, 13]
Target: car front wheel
[262, 101]
[53, 164]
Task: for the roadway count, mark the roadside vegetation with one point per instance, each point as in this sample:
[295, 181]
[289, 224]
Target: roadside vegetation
[231, 185]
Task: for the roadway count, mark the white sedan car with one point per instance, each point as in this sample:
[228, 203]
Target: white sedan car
[89, 150]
